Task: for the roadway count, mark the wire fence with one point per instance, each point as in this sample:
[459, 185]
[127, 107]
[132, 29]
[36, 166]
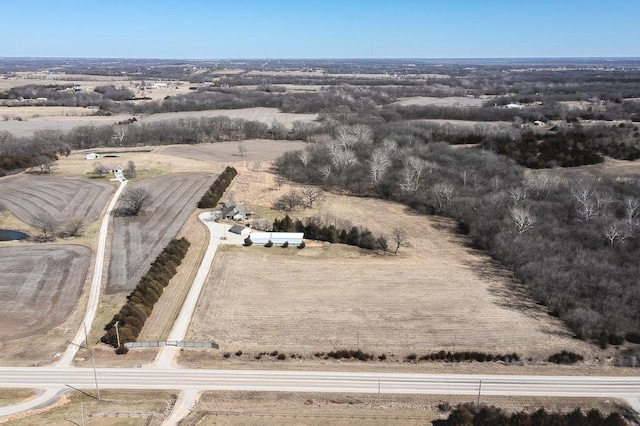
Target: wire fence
[179, 343]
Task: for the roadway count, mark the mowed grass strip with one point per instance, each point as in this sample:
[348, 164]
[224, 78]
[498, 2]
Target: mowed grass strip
[166, 310]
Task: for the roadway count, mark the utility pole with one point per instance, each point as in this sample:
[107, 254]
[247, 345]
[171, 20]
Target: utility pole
[117, 332]
[479, 390]
[93, 361]
[378, 391]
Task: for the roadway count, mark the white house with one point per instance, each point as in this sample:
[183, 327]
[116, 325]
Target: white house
[277, 238]
[91, 156]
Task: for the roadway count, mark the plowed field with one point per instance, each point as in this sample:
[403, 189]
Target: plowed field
[227, 152]
[40, 286]
[137, 240]
[62, 198]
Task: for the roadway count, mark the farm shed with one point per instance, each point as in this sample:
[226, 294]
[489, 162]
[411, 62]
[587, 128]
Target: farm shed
[240, 230]
[91, 156]
[277, 238]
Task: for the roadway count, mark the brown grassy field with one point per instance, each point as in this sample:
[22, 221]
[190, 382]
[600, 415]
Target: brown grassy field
[436, 295]
[262, 114]
[40, 286]
[227, 152]
[449, 101]
[62, 198]
[259, 408]
[137, 240]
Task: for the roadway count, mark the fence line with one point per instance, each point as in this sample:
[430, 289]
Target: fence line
[180, 343]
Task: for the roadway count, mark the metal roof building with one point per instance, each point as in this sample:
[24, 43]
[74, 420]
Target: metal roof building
[277, 238]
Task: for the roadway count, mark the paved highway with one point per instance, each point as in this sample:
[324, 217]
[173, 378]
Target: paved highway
[301, 381]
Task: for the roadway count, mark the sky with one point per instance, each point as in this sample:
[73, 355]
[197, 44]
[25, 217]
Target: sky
[213, 29]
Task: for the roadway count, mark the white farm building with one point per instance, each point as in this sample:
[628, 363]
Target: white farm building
[277, 238]
[91, 156]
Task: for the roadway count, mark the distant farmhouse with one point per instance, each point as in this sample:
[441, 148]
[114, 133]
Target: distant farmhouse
[234, 212]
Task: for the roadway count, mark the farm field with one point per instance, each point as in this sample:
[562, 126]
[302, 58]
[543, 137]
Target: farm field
[227, 152]
[137, 240]
[62, 198]
[436, 295]
[40, 286]
[264, 115]
[448, 101]
[65, 123]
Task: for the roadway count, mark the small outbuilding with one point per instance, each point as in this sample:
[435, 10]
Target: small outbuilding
[277, 238]
[91, 156]
[240, 230]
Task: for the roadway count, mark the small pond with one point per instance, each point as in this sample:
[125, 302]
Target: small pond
[9, 235]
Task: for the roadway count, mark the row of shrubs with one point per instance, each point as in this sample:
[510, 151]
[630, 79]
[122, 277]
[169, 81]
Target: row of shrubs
[211, 198]
[248, 242]
[565, 357]
[472, 414]
[464, 356]
[140, 302]
[605, 339]
[355, 236]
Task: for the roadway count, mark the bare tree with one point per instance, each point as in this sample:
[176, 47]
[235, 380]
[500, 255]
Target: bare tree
[311, 195]
[541, 183]
[613, 233]
[304, 157]
[279, 180]
[632, 208]
[47, 225]
[400, 238]
[131, 170]
[75, 227]
[378, 165]
[4, 135]
[584, 196]
[522, 219]
[242, 148]
[443, 193]
[119, 133]
[325, 171]
[99, 169]
[134, 199]
[518, 195]
[289, 201]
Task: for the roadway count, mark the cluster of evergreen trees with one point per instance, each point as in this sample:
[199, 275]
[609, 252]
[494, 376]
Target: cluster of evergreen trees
[473, 415]
[140, 302]
[211, 198]
[313, 230]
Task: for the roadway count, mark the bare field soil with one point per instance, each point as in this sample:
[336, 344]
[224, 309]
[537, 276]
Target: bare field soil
[467, 123]
[436, 295]
[262, 114]
[137, 240]
[28, 112]
[449, 101]
[27, 127]
[283, 408]
[40, 286]
[62, 198]
[228, 152]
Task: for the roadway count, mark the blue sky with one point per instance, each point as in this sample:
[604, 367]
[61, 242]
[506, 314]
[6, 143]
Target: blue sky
[212, 29]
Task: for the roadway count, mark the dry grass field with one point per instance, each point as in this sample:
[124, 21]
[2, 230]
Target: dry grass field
[227, 152]
[264, 115]
[40, 286]
[449, 101]
[65, 123]
[137, 240]
[62, 198]
[436, 295]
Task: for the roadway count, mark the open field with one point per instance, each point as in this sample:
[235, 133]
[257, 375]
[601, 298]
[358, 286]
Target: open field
[264, 115]
[610, 166]
[40, 286]
[227, 152]
[449, 101]
[65, 123]
[137, 240]
[333, 297]
[61, 198]
[259, 408]
[466, 123]
[121, 407]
